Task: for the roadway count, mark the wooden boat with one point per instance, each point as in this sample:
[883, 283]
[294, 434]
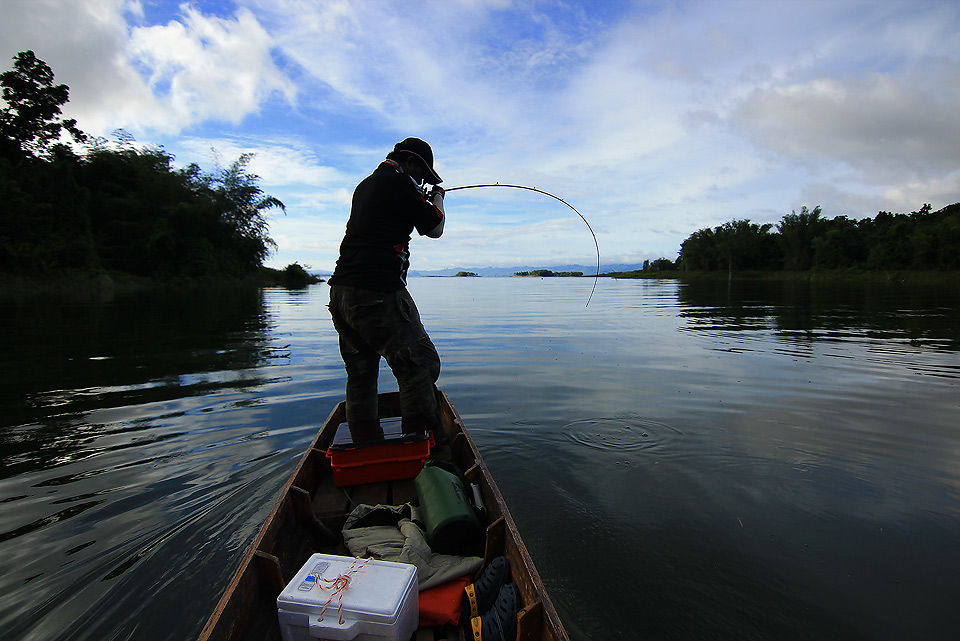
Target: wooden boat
[310, 513]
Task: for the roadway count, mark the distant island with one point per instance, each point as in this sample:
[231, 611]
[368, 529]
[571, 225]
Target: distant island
[547, 273]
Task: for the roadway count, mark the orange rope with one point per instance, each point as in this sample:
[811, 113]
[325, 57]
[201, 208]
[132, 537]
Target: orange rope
[339, 585]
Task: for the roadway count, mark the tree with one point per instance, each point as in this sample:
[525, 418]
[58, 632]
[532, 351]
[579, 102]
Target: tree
[889, 242]
[242, 205]
[948, 233]
[30, 122]
[738, 244]
[701, 251]
[922, 240]
[121, 209]
[797, 232]
[659, 265]
[841, 246]
[744, 244]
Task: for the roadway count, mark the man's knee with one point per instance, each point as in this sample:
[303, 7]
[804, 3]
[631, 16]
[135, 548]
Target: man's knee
[415, 361]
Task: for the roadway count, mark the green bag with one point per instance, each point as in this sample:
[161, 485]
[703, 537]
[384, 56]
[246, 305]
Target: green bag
[449, 519]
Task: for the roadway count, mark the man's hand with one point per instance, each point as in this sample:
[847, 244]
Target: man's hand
[436, 197]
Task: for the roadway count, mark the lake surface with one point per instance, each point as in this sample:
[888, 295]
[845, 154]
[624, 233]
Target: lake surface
[684, 461]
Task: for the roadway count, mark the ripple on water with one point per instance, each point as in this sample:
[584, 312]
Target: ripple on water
[621, 434]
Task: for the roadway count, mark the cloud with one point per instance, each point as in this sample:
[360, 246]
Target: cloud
[304, 238]
[288, 162]
[207, 68]
[883, 126]
[148, 79]
[405, 70]
[82, 41]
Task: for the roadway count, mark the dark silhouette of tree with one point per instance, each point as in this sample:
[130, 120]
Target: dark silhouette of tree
[243, 205]
[30, 122]
[841, 245]
[921, 240]
[890, 244]
[797, 232]
[119, 208]
[659, 265]
[151, 219]
[735, 245]
[745, 245]
[701, 251]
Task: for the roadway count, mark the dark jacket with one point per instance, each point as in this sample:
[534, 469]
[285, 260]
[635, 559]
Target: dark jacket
[375, 252]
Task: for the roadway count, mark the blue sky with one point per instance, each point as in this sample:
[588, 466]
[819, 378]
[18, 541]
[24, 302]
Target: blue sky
[654, 119]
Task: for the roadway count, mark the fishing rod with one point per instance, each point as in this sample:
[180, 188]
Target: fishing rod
[547, 193]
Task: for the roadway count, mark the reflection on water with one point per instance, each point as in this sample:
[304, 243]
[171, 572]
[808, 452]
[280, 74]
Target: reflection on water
[126, 426]
[810, 311]
[799, 474]
[67, 365]
[764, 460]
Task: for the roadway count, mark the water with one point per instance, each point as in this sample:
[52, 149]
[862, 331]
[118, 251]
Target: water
[707, 461]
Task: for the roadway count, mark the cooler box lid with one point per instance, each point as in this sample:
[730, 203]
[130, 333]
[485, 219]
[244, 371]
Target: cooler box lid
[367, 589]
[392, 435]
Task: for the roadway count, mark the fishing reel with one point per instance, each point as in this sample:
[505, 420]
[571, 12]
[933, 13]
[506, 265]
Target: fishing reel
[433, 191]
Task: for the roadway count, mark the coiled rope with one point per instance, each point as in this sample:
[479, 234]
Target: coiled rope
[546, 193]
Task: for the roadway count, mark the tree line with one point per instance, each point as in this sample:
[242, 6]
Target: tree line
[921, 240]
[71, 203]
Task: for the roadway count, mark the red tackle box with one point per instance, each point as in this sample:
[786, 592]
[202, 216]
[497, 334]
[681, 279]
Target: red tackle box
[397, 456]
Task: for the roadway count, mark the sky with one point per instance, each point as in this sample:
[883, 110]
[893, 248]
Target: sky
[653, 118]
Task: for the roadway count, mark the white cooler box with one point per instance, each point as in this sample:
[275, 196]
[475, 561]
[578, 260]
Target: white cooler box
[379, 602]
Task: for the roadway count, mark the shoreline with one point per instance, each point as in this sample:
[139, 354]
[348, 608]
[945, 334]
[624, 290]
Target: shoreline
[107, 285]
[818, 276]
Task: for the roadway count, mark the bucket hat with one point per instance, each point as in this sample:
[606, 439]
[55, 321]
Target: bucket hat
[421, 150]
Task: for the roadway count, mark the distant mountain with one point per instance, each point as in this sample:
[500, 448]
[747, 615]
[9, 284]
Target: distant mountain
[588, 270]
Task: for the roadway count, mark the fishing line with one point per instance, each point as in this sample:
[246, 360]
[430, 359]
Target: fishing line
[547, 193]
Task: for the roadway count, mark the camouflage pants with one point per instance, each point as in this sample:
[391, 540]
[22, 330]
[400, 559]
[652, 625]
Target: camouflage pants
[372, 325]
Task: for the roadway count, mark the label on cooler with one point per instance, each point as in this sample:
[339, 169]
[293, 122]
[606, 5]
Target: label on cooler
[311, 579]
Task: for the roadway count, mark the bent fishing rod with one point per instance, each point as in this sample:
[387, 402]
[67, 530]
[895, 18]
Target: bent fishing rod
[546, 193]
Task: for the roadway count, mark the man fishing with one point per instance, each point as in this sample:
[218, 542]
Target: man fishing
[372, 311]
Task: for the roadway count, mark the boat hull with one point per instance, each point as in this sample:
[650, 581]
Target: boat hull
[310, 512]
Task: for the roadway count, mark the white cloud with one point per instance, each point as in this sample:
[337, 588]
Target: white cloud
[147, 79]
[277, 162]
[406, 70]
[207, 68]
[83, 42]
